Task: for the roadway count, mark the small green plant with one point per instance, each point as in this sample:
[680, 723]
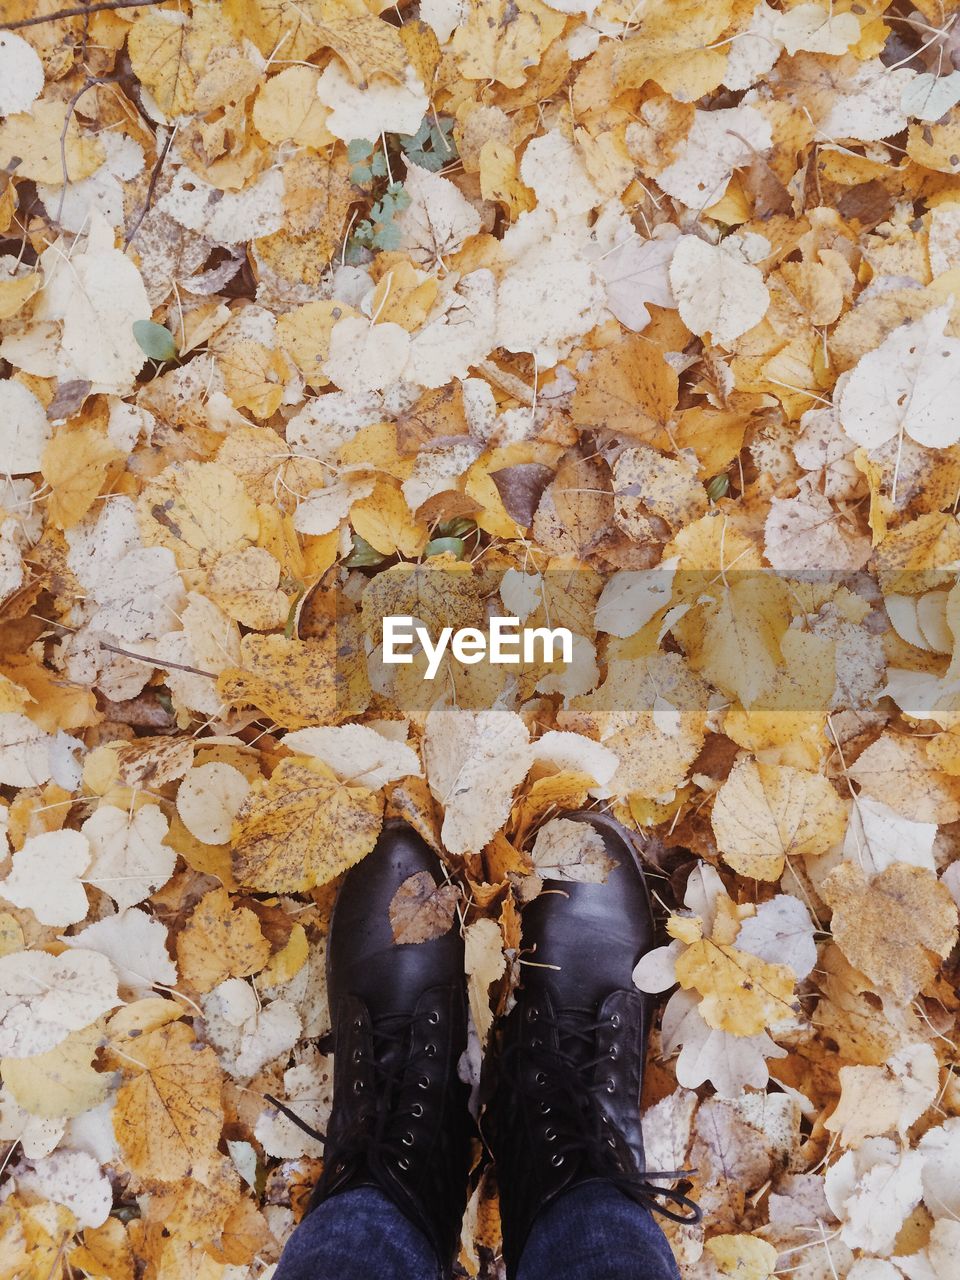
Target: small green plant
[379, 231]
[371, 168]
[432, 146]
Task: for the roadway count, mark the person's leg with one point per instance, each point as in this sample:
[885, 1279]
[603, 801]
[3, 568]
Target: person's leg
[564, 1117]
[390, 1200]
[595, 1232]
[354, 1236]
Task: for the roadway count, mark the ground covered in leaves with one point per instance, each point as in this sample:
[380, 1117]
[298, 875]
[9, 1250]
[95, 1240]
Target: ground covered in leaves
[638, 318]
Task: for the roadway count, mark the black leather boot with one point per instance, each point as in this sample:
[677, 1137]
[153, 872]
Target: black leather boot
[399, 1120]
[566, 1105]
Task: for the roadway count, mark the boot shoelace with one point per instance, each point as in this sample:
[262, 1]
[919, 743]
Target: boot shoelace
[563, 1089]
[368, 1141]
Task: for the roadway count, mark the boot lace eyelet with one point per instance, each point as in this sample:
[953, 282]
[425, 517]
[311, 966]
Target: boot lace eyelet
[533, 1013]
[430, 1050]
[358, 1086]
[550, 1135]
[536, 1044]
[611, 1085]
[615, 1020]
[614, 1052]
[541, 1077]
[403, 1163]
[611, 1143]
[557, 1160]
[545, 1108]
[358, 1024]
[433, 1017]
[423, 1082]
[358, 1055]
[407, 1139]
[417, 1110]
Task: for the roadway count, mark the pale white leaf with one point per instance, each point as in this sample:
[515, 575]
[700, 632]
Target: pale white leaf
[718, 143]
[438, 218]
[136, 946]
[208, 800]
[364, 356]
[908, 385]
[46, 877]
[381, 106]
[930, 97]
[129, 858]
[716, 292]
[357, 753]
[782, 933]
[636, 272]
[24, 429]
[308, 1092]
[552, 166]
[630, 598]
[43, 998]
[474, 760]
[322, 509]
[872, 1190]
[877, 836]
[74, 1179]
[21, 74]
[24, 752]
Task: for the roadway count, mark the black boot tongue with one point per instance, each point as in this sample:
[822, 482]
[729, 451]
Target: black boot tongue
[577, 1035]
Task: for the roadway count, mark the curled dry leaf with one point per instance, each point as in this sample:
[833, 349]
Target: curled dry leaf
[421, 909]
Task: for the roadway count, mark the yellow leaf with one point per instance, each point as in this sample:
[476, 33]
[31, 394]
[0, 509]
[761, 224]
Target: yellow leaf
[302, 828]
[385, 521]
[34, 139]
[14, 293]
[742, 994]
[288, 961]
[501, 41]
[168, 1117]
[676, 43]
[200, 511]
[304, 333]
[286, 29]
[688, 929]
[301, 682]
[106, 1252]
[220, 941]
[404, 296]
[734, 639]
[766, 813]
[742, 1257]
[75, 465]
[890, 926]
[170, 52]
[631, 390]
[245, 586]
[500, 178]
[287, 107]
[61, 1082]
[255, 375]
[367, 45]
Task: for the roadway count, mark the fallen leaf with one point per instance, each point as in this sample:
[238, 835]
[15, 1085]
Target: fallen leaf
[302, 828]
[890, 926]
[169, 1113]
[421, 909]
[764, 814]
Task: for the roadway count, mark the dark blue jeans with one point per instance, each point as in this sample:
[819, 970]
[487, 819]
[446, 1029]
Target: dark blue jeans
[591, 1233]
